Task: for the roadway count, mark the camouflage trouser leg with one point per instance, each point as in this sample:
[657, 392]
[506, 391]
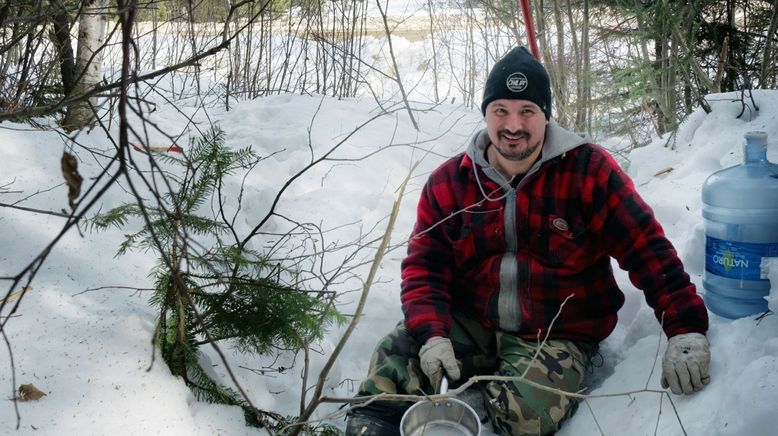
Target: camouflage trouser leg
[394, 365]
[517, 408]
[514, 408]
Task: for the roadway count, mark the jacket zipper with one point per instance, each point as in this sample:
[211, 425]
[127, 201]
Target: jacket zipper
[509, 308]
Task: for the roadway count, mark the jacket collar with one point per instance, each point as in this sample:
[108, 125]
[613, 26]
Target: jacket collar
[558, 141]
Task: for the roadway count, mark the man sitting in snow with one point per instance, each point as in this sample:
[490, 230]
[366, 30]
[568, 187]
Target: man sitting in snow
[513, 242]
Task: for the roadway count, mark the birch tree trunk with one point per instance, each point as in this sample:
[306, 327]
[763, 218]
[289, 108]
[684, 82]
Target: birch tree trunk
[89, 57]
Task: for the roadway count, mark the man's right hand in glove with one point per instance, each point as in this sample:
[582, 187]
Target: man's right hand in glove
[437, 354]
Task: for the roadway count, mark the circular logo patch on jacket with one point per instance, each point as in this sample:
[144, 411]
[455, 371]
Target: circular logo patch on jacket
[560, 224]
[516, 82]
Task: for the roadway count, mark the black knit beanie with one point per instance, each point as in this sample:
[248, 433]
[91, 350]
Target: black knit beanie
[518, 75]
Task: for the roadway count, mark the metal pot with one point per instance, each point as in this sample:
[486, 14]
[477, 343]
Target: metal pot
[447, 417]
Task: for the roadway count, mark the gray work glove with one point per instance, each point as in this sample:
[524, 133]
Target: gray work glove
[436, 354]
[686, 362]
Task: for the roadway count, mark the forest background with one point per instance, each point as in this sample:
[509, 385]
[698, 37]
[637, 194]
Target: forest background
[632, 70]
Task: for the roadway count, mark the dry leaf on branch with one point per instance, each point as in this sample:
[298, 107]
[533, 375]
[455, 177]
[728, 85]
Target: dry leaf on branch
[13, 296]
[28, 392]
[72, 178]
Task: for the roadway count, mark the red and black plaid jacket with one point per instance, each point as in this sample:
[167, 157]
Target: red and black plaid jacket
[571, 214]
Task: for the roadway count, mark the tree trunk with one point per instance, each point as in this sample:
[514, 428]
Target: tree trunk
[540, 27]
[664, 76]
[91, 34]
[661, 54]
[585, 109]
[575, 116]
[732, 68]
[397, 76]
[766, 76]
[61, 37]
[434, 54]
[558, 70]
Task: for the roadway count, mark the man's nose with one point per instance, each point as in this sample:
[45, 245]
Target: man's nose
[514, 123]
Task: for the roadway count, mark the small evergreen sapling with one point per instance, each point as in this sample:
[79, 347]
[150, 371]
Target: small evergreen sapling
[207, 290]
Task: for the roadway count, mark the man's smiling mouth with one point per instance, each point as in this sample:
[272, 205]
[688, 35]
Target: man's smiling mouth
[514, 137]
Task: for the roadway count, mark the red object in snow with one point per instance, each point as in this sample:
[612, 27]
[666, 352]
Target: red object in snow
[533, 42]
[157, 149]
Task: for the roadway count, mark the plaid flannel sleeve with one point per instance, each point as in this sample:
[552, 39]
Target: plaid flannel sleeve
[427, 269]
[641, 248]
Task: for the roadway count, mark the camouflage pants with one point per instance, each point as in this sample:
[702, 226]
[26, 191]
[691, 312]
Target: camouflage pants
[514, 408]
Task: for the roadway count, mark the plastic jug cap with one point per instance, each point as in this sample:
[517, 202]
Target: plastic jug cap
[756, 138]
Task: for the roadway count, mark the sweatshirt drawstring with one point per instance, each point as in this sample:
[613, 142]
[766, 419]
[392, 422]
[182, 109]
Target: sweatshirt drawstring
[481, 188]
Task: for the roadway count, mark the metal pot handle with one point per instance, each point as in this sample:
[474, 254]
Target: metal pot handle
[443, 385]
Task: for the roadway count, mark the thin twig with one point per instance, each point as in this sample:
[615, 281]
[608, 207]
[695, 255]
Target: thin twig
[13, 376]
[656, 353]
[30, 209]
[658, 415]
[678, 417]
[548, 332]
[594, 417]
[100, 288]
[316, 399]
[485, 378]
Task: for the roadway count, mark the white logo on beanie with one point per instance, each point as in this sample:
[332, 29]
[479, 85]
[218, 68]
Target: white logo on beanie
[516, 82]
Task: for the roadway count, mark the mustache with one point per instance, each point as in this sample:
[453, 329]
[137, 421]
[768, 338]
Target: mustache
[517, 133]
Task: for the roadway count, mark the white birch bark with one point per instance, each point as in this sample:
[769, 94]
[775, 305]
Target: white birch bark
[89, 57]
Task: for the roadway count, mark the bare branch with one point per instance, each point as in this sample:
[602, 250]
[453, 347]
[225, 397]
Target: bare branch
[315, 401]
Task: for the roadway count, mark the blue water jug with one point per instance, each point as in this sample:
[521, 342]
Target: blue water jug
[740, 210]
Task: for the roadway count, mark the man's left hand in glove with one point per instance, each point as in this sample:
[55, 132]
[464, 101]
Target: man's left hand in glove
[686, 362]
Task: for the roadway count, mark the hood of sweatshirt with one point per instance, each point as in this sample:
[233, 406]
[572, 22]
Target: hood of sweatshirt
[557, 142]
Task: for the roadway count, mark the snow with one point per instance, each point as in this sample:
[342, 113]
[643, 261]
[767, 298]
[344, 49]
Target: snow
[85, 340]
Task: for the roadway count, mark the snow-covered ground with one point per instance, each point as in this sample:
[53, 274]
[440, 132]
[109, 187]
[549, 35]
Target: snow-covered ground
[85, 340]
